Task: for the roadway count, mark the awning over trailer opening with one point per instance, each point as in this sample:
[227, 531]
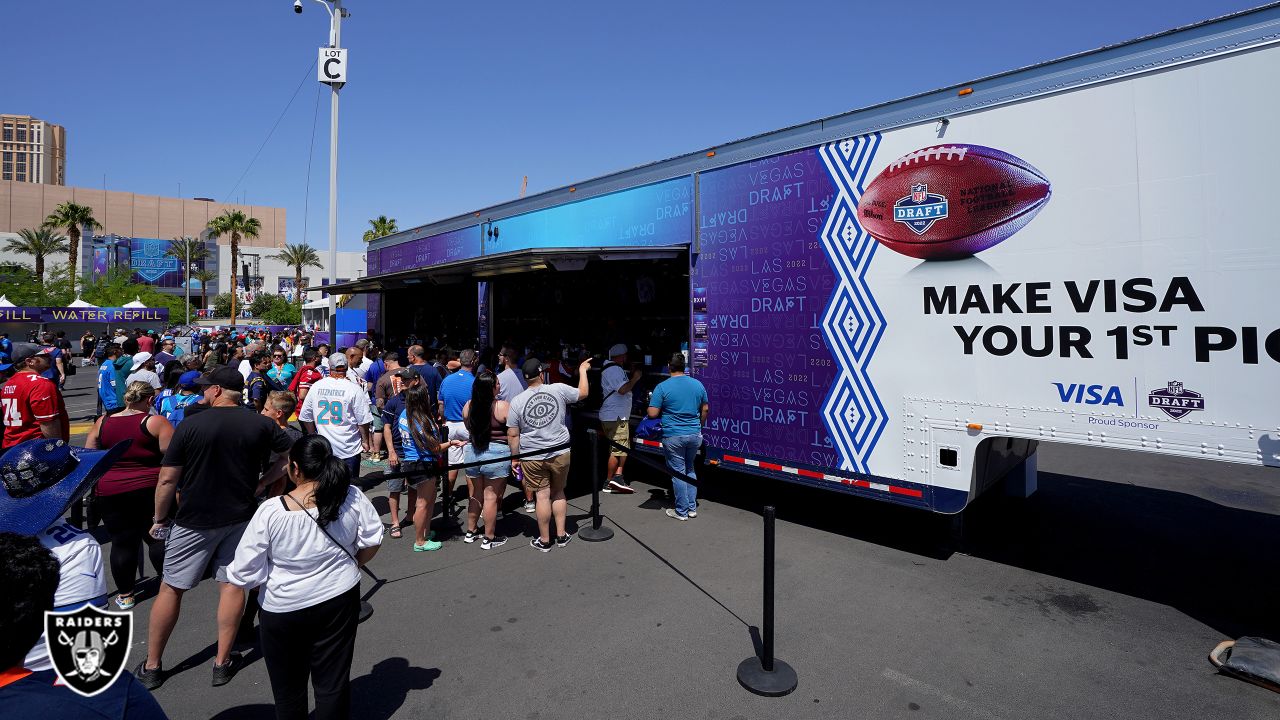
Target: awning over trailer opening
[652, 221]
[496, 265]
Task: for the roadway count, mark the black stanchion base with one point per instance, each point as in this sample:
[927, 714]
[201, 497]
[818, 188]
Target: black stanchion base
[366, 610]
[594, 534]
[753, 676]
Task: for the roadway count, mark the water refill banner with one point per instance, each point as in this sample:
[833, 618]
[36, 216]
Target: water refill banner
[427, 251]
[761, 284]
[83, 315]
[650, 216]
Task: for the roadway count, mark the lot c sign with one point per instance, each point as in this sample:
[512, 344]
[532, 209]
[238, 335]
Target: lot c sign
[332, 65]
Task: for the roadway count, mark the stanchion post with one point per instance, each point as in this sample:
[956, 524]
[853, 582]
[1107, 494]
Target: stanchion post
[595, 532]
[766, 675]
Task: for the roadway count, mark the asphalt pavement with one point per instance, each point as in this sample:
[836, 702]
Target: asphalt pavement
[1098, 597]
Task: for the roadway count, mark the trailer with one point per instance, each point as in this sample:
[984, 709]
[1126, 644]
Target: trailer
[903, 301]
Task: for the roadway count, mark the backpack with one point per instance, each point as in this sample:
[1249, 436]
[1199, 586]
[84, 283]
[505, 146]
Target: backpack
[174, 407]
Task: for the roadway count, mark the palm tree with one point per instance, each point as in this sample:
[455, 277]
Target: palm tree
[72, 217]
[187, 250]
[204, 277]
[299, 256]
[39, 244]
[237, 225]
[382, 227]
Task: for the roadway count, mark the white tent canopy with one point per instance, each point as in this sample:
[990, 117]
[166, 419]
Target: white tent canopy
[78, 303]
[4, 301]
[137, 303]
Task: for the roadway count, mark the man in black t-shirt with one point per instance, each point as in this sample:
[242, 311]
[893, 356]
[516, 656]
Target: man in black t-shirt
[215, 459]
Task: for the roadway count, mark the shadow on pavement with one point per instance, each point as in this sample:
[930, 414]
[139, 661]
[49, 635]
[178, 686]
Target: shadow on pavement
[380, 694]
[376, 696]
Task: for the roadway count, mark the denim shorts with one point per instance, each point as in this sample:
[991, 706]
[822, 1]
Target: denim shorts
[417, 466]
[492, 471]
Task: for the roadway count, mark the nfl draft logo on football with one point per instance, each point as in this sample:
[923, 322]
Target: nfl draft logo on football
[89, 647]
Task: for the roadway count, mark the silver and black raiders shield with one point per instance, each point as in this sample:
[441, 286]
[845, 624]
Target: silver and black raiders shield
[89, 646]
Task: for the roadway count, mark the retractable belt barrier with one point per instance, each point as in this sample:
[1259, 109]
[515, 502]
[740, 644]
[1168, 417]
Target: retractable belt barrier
[661, 467]
[442, 469]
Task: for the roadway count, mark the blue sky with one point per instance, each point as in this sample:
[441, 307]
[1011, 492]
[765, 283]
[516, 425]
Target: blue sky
[450, 104]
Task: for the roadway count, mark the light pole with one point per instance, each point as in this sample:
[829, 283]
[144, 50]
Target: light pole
[336, 13]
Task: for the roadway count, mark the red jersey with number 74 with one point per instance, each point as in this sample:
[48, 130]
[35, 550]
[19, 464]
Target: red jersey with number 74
[28, 400]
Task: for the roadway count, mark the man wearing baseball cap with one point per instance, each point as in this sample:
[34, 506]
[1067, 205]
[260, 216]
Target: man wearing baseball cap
[174, 407]
[143, 370]
[338, 409]
[215, 459]
[536, 421]
[33, 407]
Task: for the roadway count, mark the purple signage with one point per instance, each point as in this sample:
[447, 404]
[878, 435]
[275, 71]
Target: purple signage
[761, 283]
[428, 251]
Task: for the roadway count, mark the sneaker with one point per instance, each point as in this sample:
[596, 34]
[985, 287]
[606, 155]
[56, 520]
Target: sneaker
[472, 536]
[618, 484]
[607, 489]
[489, 543]
[563, 540]
[530, 507]
[428, 546]
[150, 679]
[693, 513]
[676, 515]
[222, 674]
[125, 602]
[537, 544]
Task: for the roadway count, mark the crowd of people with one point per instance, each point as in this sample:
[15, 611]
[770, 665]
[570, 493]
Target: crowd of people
[199, 466]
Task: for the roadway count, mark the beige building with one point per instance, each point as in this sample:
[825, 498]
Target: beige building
[32, 150]
[26, 205]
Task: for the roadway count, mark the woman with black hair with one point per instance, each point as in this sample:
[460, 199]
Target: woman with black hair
[486, 419]
[306, 548]
[421, 450]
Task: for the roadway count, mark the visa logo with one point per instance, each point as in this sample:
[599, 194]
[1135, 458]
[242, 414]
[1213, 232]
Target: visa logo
[1083, 394]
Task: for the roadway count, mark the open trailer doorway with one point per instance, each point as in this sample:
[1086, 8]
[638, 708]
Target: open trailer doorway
[643, 303]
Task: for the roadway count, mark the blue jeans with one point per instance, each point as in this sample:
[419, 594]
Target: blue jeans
[681, 452]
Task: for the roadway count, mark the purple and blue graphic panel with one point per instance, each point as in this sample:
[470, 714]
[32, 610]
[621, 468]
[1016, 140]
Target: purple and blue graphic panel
[761, 284]
[428, 251]
[650, 216]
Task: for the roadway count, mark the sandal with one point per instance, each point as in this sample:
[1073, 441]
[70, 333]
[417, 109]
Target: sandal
[395, 531]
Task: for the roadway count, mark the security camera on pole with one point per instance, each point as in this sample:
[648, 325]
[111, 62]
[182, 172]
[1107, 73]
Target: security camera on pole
[331, 69]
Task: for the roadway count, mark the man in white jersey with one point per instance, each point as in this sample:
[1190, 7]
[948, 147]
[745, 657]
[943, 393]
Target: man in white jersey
[339, 410]
[42, 479]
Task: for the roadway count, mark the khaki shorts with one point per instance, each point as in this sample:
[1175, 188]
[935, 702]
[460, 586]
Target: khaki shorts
[618, 431]
[553, 473]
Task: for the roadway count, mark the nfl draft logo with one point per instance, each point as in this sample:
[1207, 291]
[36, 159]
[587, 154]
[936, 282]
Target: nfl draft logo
[1175, 400]
[89, 647]
[921, 209]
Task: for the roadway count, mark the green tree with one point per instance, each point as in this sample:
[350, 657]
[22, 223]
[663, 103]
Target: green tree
[72, 217]
[204, 277]
[381, 226]
[117, 288]
[237, 225]
[187, 250]
[282, 312]
[223, 304]
[301, 256]
[38, 244]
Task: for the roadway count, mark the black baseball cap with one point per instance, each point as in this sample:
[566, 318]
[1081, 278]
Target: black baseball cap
[225, 377]
[407, 373]
[533, 367]
[22, 351]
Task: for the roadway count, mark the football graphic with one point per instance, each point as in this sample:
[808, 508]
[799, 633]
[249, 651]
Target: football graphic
[951, 201]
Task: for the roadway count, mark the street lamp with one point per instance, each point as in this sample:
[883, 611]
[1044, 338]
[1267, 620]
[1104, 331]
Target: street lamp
[336, 14]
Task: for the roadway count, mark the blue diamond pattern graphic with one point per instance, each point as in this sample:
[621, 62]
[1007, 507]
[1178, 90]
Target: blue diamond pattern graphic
[852, 322]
